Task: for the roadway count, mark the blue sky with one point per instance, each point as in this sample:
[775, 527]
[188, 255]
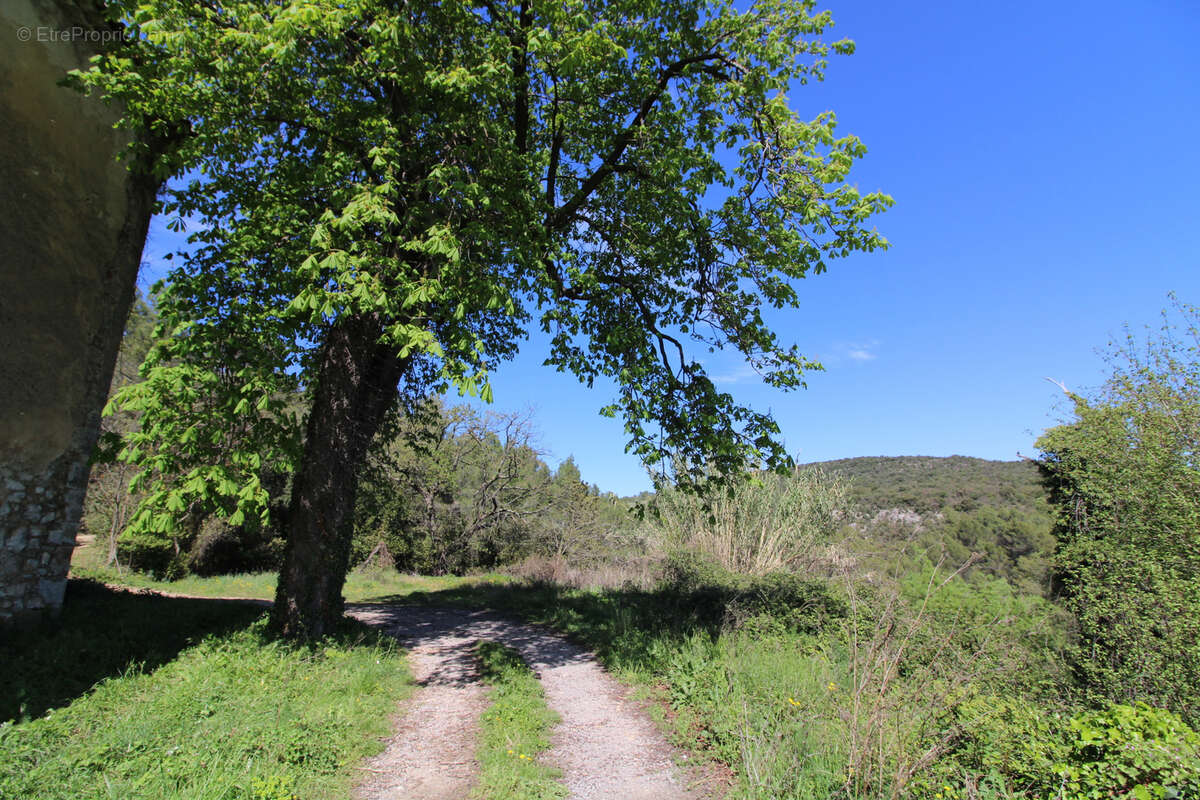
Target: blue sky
[1045, 165]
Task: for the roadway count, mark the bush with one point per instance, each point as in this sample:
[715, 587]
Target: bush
[1125, 482]
[1013, 744]
[149, 553]
[223, 549]
[1135, 751]
[802, 605]
[1022, 750]
[686, 572]
[718, 597]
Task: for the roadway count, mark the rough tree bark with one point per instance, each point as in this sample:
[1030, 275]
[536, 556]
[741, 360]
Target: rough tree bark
[355, 389]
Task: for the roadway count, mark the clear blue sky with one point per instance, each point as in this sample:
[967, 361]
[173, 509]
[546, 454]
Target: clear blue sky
[1045, 162]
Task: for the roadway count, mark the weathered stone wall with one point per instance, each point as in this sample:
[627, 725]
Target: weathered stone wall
[72, 226]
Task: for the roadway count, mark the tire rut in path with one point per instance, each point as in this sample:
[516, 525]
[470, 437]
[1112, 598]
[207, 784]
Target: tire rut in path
[605, 746]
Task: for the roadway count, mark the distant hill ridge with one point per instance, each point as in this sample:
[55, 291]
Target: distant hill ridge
[930, 485]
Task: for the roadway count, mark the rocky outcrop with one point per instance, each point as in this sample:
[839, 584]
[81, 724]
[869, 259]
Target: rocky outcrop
[72, 225]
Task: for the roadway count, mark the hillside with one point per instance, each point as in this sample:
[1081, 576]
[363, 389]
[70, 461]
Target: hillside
[929, 485]
[925, 507]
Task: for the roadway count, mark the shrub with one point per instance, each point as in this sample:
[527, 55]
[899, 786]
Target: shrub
[687, 571]
[1130, 751]
[149, 553]
[1125, 481]
[1012, 743]
[704, 588]
[802, 605]
[223, 549]
[1023, 750]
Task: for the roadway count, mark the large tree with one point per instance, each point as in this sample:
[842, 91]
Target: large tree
[387, 194]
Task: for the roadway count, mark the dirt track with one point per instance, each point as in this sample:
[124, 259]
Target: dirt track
[605, 745]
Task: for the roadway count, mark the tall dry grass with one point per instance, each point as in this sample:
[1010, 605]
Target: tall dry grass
[768, 524]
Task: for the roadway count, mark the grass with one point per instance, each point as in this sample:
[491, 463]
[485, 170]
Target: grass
[361, 585]
[257, 586]
[514, 730]
[222, 711]
[780, 701]
[103, 634]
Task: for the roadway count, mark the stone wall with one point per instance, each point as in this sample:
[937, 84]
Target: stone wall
[72, 225]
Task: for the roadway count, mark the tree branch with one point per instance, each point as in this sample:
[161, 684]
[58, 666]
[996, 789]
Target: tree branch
[562, 216]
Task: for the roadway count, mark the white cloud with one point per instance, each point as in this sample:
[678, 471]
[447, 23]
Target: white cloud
[860, 351]
[744, 372]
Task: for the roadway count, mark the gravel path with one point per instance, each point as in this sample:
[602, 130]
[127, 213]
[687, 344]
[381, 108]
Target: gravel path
[430, 755]
[605, 746]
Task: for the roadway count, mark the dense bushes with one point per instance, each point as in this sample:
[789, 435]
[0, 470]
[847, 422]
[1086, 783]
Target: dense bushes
[718, 597]
[1126, 482]
[449, 490]
[1020, 749]
[208, 545]
[929, 486]
[446, 490]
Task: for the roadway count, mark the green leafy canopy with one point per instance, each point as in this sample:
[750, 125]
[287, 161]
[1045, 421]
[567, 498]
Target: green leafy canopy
[1126, 482]
[626, 175]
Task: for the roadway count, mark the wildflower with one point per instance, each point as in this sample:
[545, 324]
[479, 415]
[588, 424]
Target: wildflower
[793, 701]
[832, 686]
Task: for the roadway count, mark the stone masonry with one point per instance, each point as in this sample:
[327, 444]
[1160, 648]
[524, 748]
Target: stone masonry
[72, 225]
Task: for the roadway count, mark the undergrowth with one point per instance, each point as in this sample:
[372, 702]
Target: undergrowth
[931, 688]
[811, 689]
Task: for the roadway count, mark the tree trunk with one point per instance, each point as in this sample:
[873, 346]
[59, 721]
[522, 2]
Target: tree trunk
[355, 389]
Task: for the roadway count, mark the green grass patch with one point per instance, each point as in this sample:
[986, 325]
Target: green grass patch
[237, 715]
[104, 633]
[362, 586]
[372, 585]
[515, 729]
[257, 585]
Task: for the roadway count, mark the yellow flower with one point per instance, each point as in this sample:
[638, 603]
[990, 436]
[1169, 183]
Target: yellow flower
[832, 686]
[793, 701]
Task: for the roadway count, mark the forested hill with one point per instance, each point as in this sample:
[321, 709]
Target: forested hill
[952, 507]
[930, 485]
